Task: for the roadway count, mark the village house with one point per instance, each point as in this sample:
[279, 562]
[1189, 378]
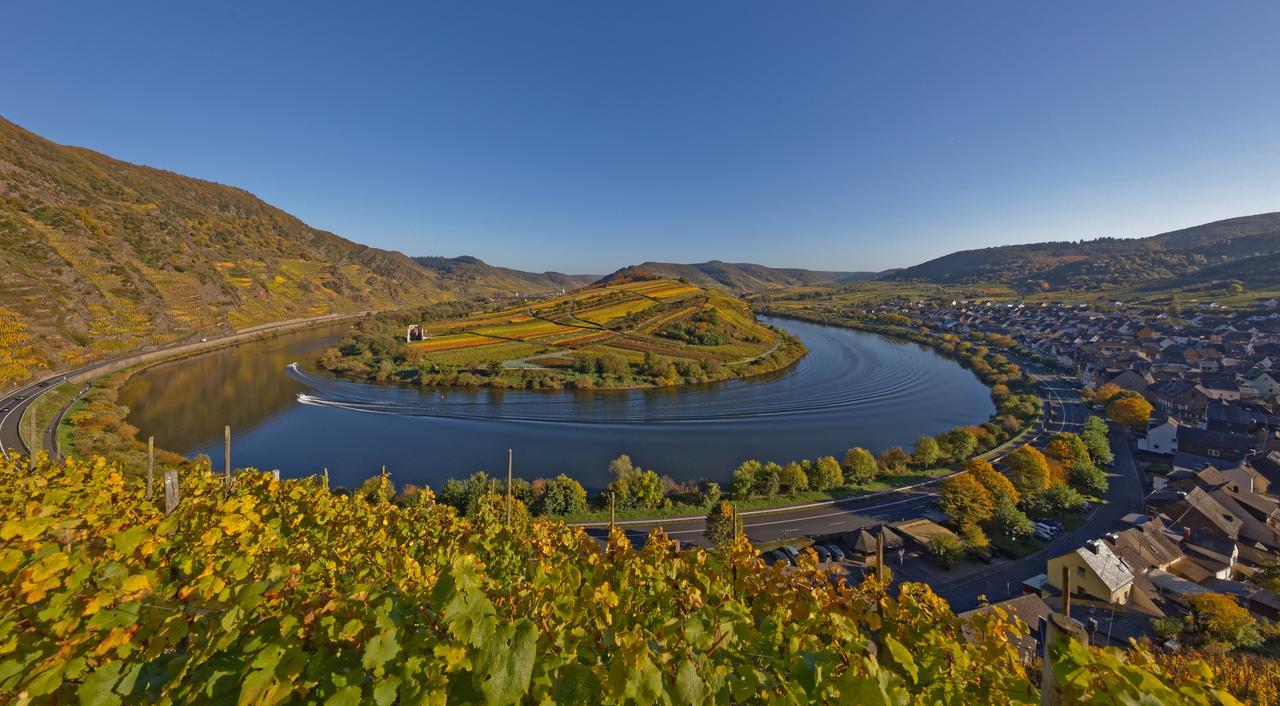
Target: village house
[1096, 571]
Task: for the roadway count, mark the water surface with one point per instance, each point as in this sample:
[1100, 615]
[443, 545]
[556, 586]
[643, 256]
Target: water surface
[853, 389]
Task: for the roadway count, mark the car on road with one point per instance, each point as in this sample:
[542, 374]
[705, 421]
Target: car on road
[43, 384]
[19, 398]
[6, 409]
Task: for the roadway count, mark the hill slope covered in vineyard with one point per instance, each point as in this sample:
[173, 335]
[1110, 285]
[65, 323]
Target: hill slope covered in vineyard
[282, 592]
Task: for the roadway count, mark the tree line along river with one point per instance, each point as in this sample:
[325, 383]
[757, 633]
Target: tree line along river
[852, 389]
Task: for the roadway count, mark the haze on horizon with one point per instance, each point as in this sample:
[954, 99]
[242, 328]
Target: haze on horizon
[582, 137]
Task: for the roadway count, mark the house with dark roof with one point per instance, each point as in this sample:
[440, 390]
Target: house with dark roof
[1216, 445]
[1028, 608]
[1178, 398]
[1223, 417]
[1194, 509]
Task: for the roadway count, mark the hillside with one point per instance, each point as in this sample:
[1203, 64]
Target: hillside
[275, 592]
[1183, 257]
[100, 257]
[647, 332]
[739, 277]
[469, 270]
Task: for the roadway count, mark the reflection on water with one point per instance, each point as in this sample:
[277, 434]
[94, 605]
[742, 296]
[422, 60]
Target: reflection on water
[852, 389]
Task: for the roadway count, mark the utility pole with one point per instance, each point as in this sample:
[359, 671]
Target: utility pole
[508, 487]
[151, 460]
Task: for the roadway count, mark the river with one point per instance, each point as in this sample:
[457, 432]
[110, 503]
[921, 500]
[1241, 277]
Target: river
[852, 389]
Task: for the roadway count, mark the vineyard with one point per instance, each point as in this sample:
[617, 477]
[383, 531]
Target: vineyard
[631, 334]
[269, 592]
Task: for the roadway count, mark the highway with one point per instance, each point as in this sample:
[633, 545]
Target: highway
[16, 401]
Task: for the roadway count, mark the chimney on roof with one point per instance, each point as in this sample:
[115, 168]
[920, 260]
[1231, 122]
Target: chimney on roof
[1186, 533]
[1092, 545]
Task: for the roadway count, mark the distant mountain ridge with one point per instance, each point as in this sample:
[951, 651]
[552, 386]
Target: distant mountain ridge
[99, 257]
[467, 269]
[740, 276]
[1190, 254]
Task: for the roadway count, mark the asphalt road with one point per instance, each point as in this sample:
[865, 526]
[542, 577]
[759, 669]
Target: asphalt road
[1064, 412]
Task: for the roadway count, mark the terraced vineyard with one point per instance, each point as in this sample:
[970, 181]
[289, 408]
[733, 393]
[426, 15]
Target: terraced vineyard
[630, 334]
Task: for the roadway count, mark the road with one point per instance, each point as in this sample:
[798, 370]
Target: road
[1064, 412]
[16, 401]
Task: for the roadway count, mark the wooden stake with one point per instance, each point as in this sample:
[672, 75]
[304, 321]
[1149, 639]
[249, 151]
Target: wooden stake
[326, 477]
[226, 454]
[1058, 630]
[880, 554]
[35, 442]
[508, 487]
[611, 512]
[151, 461]
[170, 492]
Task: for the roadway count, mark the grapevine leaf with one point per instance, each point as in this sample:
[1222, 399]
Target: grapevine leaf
[346, 696]
[380, 650]
[505, 663]
[903, 657]
[689, 686]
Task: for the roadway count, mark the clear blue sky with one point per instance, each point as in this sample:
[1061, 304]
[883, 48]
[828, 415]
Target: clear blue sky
[585, 136]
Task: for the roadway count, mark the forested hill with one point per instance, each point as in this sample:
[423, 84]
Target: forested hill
[100, 257]
[738, 276]
[1186, 256]
[468, 270]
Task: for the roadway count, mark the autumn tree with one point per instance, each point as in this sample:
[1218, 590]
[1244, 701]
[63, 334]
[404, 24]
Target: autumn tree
[893, 462]
[964, 500]
[1028, 470]
[1133, 412]
[561, 495]
[997, 485]
[793, 478]
[1220, 622]
[958, 444]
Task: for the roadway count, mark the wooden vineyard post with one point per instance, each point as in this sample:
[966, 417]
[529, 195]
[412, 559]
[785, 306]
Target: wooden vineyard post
[1058, 630]
[226, 455]
[508, 487]
[275, 474]
[170, 492]
[151, 461]
[326, 477]
[611, 513]
[35, 442]
[880, 554]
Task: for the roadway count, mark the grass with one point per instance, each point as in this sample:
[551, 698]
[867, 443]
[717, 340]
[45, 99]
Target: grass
[45, 408]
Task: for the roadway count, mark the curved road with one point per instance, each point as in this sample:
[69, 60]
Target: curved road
[16, 401]
[1064, 412]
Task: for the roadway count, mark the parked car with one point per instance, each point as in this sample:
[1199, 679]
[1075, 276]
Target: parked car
[791, 553]
[982, 555]
[837, 554]
[823, 553]
[1043, 536]
[1054, 525]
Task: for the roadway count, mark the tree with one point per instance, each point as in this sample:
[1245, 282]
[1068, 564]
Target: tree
[894, 462]
[1067, 448]
[975, 540]
[860, 466]
[463, 494]
[1221, 623]
[1088, 478]
[710, 494]
[947, 547]
[1094, 435]
[1028, 469]
[793, 479]
[1105, 393]
[1133, 412]
[721, 529]
[926, 453]
[1012, 522]
[561, 495]
[997, 485]
[377, 489]
[769, 481]
[1054, 500]
[964, 500]
[958, 444]
[745, 477]
[826, 474]
[633, 486]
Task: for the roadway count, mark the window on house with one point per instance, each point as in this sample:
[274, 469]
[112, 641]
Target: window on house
[1080, 571]
[1215, 453]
